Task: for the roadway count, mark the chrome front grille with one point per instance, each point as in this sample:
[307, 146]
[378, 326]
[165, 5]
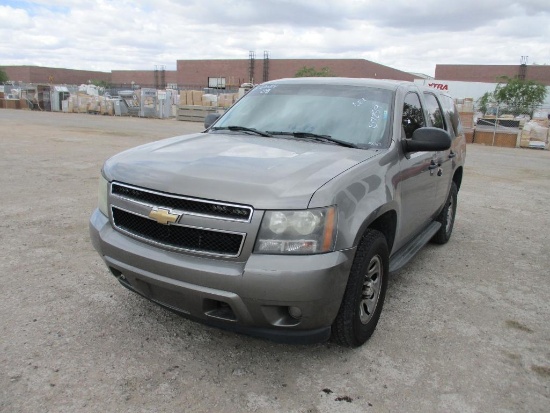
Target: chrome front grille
[138, 212]
[186, 205]
[178, 236]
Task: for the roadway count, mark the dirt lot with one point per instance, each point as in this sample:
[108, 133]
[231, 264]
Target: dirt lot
[465, 327]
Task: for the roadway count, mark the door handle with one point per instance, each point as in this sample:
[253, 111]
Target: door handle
[452, 154]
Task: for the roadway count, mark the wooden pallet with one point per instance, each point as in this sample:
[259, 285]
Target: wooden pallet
[194, 113]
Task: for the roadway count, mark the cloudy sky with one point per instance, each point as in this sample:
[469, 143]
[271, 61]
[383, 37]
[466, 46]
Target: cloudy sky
[408, 35]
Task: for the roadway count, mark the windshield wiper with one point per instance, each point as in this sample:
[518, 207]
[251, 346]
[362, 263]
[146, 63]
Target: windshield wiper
[315, 136]
[242, 129]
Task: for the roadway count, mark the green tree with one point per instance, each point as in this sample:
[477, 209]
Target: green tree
[101, 83]
[484, 101]
[514, 96]
[3, 76]
[521, 96]
[312, 72]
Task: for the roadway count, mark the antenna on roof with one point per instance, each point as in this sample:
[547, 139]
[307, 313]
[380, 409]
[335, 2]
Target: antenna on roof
[523, 68]
[266, 65]
[524, 60]
[160, 76]
[251, 57]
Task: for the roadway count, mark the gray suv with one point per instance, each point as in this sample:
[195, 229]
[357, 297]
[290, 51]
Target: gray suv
[285, 216]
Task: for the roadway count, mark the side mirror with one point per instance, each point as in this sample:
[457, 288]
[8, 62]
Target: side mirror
[427, 139]
[210, 119]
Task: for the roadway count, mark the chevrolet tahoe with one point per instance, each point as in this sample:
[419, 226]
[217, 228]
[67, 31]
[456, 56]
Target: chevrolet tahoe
[284, 218]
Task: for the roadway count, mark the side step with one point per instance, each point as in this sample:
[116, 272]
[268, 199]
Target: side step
[405, 254]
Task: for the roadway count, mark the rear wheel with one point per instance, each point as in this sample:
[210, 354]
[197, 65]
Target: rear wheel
[365, 292]
[447, 217]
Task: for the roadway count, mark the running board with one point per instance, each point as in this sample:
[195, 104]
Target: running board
[405, 254]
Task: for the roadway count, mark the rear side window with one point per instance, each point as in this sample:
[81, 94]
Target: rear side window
[452, 112]
[413, 115]
[435, 113]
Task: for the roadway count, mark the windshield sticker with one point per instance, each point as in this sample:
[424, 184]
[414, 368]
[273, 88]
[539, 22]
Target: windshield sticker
[374, 117]
[265, 89]
[359, 102]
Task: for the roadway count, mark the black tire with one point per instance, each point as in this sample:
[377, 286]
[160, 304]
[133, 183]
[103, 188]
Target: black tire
[365, 292]
[447, 217]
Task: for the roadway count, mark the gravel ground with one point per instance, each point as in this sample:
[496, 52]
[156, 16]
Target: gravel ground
[465, 327]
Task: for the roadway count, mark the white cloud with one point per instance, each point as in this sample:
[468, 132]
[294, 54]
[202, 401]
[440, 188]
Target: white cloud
[411, 36]
[12, 18]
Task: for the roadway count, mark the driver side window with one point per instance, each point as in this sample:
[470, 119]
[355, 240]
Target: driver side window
[413, 115]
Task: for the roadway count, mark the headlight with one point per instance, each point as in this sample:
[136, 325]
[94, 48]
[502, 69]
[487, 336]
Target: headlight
[102, 193]
[310, 231]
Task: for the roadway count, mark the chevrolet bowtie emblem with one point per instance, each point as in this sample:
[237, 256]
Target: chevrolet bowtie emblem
[163, 216]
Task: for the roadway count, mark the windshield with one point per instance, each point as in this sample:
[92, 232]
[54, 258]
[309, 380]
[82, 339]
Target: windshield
[356, 114]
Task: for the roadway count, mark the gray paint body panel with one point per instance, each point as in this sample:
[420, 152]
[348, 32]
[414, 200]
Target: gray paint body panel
[268, 173]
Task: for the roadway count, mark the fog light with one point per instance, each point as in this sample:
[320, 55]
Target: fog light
[295, 312]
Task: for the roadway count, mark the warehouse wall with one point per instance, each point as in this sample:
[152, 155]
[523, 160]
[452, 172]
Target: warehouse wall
[491, 73]
[144, 78]
[39, 74]
[197, 72]
[236, 72]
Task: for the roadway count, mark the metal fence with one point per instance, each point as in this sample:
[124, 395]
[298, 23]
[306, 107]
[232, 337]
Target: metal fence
[113, 90]
[88, 98]
[509, 127]
[18, 88]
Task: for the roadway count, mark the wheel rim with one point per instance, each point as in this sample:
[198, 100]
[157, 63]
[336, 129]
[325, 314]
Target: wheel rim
[370, 293]
[450, 215]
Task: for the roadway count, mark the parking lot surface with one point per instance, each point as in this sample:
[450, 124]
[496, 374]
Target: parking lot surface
[465, 326]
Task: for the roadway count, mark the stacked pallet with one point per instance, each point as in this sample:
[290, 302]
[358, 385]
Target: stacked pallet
[493, 138]
[195, 105]
[10, 103]
[502, 131]
[535, 134]
[199, 98]
[194, 113]
[466, 112]
[83, 103]
[191, 97]
[226, 99]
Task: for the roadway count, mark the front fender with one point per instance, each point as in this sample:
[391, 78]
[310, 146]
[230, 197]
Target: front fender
[362, 194]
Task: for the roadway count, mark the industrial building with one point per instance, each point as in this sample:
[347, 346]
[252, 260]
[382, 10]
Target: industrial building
[493, 73]
[230, 73]
[205, 73]
[53, 75]
[199, 87]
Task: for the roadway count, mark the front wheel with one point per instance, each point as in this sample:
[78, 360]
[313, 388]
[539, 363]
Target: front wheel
[365, 292]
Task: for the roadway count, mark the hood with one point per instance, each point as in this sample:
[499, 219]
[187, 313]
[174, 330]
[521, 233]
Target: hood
[266, 173]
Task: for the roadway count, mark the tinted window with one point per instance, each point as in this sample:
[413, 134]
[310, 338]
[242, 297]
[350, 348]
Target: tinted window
[413, 116]
[452, 112]
[435, 113]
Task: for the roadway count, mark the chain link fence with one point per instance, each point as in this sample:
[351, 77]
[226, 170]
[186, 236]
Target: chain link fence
[121, 99]
[504, 126]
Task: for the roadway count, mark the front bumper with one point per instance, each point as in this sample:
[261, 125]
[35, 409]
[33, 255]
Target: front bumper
[251, 297]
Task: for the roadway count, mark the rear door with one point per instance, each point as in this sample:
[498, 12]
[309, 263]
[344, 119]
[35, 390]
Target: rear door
[443, 159]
